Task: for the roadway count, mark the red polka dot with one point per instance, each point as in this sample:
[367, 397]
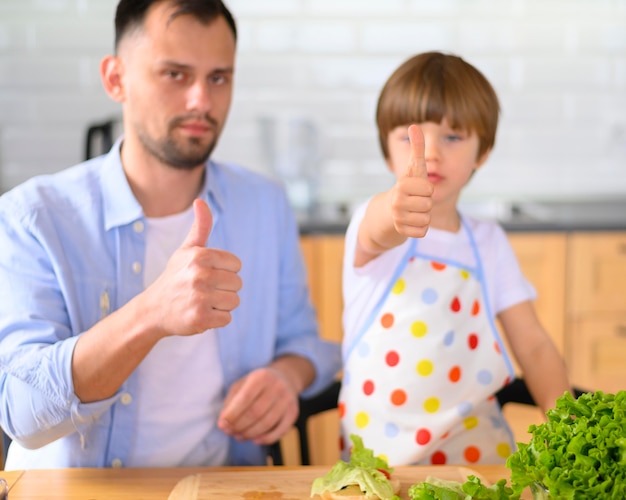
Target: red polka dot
[342, 443]
[472, 341]
[423, 436]
[454, 374]
[342, 409]
[445, 435]
[455, 306]
[387, 320]
[398, 397]
[438, 266]
[438, 458]
[368, 387]
[472, 454]
[496, 346]
[392, 358]
[475, 308]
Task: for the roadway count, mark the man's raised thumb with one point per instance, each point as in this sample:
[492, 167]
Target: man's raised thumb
[202, 224]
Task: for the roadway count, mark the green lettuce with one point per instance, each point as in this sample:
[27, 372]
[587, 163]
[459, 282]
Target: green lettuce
[362, 470]
[580, 452]
[472, 489]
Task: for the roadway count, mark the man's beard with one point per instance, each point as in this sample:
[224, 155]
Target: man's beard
[180, 156]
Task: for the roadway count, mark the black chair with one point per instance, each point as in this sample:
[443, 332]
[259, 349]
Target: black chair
[6, 440]
[325, 400]
[517, 392]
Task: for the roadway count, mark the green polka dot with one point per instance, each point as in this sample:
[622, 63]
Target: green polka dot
[399, 287]
[425, 367]
[419, 329]
[431, 405]
[362, 419]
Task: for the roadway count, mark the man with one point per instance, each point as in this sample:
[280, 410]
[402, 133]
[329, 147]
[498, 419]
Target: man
[153, 303]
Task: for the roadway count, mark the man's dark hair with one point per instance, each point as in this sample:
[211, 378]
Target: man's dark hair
[130, 14]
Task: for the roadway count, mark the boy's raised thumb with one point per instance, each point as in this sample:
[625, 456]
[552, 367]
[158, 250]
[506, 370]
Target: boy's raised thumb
[202, 224]
[417, 162]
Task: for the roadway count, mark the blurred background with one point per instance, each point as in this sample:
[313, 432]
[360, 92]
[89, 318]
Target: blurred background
[307, 80]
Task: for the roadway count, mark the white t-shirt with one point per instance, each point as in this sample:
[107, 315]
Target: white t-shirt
[363, 287]
[181, 378]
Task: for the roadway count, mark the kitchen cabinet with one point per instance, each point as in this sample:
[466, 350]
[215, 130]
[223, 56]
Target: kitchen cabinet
[596, 313]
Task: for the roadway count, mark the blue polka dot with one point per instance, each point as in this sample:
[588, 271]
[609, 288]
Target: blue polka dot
[391, 430]
[498, 422]
[346, 378]
[464, 408]
[363, 349]
[448, 338]
[429, 296]
[484, 377]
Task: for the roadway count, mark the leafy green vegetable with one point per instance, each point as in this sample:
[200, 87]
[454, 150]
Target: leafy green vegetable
[472, 489]
[362, 470]
[579, 453]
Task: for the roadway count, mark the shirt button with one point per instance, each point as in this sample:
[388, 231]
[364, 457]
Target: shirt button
[138, 226]
[126, 399]
[116, 463]
[136, 267]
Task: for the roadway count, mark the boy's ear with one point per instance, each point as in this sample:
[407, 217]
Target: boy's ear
[111, 72]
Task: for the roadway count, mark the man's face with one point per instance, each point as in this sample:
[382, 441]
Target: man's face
[177, 80]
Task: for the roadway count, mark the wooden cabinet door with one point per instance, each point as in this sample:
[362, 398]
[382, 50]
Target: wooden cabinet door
[598, 352]
[597, 268]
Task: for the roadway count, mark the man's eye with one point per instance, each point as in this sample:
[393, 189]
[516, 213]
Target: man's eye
[218, 79]
[174, 75]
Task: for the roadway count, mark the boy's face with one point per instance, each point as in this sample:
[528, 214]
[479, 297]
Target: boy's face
[451, 157]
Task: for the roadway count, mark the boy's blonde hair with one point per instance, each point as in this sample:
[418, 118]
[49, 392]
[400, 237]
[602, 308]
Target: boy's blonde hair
[432, 86]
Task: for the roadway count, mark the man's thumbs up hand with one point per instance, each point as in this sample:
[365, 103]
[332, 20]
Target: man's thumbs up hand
[411, 200]
[202, 224]
[198, 289]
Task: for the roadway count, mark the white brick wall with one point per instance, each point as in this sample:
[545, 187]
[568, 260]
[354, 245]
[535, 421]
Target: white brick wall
[559, 67]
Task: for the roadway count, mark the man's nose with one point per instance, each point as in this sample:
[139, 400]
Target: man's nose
[199, 97]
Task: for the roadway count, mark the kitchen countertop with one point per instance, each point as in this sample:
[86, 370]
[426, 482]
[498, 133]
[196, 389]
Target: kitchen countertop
[536, 216]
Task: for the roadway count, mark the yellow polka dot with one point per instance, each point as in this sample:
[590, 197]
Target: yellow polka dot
[503, 450]
[383, 457]
[425, 367]
[464, 274]
[431, 405]
[419, 329]
[470, 422]
[399, 287]
[362, 419]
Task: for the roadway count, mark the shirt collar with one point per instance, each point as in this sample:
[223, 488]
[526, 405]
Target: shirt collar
[120, 205]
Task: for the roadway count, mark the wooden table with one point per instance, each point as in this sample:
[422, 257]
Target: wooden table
[134, 484]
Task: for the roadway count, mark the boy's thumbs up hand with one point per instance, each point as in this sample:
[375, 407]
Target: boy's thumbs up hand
[199, 286]
[411, 200]
[417, 163]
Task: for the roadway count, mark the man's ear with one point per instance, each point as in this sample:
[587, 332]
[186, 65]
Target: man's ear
[111, 71]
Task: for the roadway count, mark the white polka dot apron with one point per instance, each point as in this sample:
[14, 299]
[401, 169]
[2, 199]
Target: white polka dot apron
[419, 380]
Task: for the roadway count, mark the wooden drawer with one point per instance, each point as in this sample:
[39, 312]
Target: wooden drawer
[597, 353]
[597, 273]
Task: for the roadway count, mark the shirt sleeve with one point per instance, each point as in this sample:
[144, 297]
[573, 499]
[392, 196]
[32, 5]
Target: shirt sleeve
[509, 285]
[36, 339]
[298, 327]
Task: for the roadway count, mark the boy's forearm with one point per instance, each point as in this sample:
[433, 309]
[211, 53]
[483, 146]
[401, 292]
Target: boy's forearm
[377, 233]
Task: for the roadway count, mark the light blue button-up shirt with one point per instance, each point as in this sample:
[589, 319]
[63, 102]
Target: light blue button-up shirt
[70, 252]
